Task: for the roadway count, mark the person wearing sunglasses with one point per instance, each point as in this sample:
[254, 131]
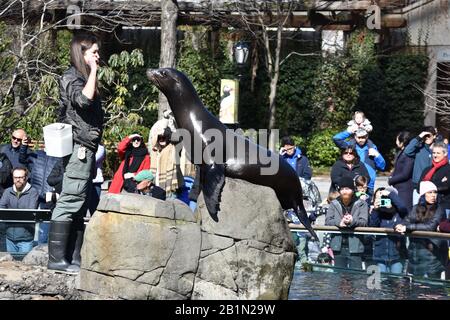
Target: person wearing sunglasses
[348, 165]
[134, 157]
[366, 150]
[12, 149]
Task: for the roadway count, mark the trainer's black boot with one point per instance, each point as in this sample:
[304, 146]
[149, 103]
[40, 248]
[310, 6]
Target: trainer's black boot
[57, 246]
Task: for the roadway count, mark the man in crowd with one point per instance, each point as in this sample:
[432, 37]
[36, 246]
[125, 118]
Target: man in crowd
[293, 155]
[12, 149]
[366, 149]
[347, 212]
[19, 236]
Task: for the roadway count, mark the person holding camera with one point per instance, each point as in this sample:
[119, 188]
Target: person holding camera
[419, 148]
[135, 158]
[388, 210]
[426, 256]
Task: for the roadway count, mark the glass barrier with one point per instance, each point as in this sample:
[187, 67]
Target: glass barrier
[417, 255]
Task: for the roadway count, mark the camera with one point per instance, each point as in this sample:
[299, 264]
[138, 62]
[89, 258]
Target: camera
[385, 202]
[321, 210]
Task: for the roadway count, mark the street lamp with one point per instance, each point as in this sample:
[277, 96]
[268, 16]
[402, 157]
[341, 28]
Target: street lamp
[241, 51]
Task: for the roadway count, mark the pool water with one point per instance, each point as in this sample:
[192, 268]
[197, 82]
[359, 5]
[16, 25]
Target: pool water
[347, 285]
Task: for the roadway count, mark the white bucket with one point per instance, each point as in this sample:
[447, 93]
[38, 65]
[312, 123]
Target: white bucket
[58, 139]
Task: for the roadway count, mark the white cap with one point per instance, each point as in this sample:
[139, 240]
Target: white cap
[427, 186]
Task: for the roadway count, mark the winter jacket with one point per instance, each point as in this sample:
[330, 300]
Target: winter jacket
[117, 181]
[28, 199]
[441, 178]
[40, 165]
[85, 115]
[389, 248]
[421, 153]
[340, 169]
[371, 163]
[299, 163]
[425, 255]
[12, 154]
[360, 212]
[5, 173]
[401, 178]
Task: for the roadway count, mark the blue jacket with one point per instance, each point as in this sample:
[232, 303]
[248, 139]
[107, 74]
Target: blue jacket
[28, 199]
[40, 165]
[421, 153]
[388, 248]
[12, 154]
[299, 163]
[371, 163]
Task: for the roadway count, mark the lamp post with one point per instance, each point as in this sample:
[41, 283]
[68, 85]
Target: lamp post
[241, 51]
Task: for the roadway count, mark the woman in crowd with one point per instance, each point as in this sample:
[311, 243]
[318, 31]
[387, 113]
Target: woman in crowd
[426, 256]
[401, 177]
[135, 157]
[388, 210]
[347, 165]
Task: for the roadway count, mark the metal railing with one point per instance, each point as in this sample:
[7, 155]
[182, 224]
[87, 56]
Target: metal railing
[409, 249]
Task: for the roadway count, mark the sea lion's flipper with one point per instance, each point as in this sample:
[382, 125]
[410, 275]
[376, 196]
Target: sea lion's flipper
[303, 217]
[212, 185]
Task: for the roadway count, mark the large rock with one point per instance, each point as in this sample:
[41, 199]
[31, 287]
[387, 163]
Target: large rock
[137, 247]
[248, 253]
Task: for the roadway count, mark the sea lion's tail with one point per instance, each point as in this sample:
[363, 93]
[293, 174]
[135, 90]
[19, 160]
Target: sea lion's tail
[300, 212]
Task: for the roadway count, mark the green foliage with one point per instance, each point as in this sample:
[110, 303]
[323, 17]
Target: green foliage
[322, 152]
[131, 101]
[335, 91]
[63, 48]
[390, 97]
[6, 61]
[45, 110]
[204, 72]
[294, 114]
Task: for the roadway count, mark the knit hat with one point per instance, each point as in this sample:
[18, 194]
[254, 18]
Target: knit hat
[360, 132]
[427, 186]
[346, 182]
[144, 175]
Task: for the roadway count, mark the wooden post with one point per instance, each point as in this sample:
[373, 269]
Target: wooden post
[169, 16]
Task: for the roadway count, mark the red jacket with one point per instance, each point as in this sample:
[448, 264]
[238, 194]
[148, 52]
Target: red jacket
[117, 181]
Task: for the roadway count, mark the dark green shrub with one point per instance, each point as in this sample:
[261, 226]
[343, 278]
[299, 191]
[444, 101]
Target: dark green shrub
[322, 152]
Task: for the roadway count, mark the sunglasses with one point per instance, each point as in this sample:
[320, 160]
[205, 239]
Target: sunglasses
[136, 139]
[15, 138]
[349, 152]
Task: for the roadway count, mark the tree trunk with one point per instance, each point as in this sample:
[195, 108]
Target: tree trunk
[169, 16]
[274, 76]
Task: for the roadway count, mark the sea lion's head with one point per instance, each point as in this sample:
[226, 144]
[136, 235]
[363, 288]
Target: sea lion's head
[170, 81]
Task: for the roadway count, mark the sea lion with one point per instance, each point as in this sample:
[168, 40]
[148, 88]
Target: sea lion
[191, 115]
